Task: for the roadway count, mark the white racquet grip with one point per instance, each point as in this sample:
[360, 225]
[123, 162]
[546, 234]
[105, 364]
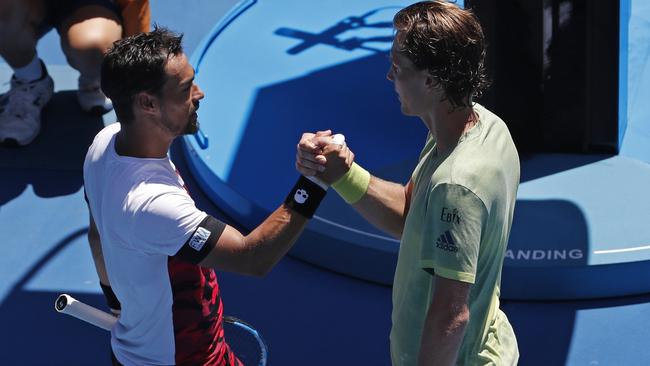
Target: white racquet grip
[66, 304]
[338, 139]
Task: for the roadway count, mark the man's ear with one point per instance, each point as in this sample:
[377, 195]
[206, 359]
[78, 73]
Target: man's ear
[433, 86]
[430, 82]
[146, 103]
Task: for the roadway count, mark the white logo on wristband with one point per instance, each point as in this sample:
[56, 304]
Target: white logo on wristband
[301, 196]
[199, 238]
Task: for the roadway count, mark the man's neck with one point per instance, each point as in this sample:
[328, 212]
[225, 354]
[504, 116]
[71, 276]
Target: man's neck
[447, 125]
[141, 141]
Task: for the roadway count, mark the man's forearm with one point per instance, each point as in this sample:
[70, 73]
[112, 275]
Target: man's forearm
[271, 240]
[442, 336]
[384, 205]
[258, 252]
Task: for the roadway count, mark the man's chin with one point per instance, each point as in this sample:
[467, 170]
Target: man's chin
[192, 128]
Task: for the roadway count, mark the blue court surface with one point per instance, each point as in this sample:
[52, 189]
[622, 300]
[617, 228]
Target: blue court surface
[576, 281]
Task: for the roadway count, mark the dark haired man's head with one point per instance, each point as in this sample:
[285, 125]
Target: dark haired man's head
[448, 43]
[138, 64]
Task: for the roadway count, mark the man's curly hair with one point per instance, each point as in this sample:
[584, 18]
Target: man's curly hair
[448, 42]
[135, 64]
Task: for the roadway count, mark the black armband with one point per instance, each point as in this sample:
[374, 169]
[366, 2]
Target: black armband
[202, 241]
[111, 299]
[305, 197]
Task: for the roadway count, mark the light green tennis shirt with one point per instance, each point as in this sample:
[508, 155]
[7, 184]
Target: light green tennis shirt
[458, 226]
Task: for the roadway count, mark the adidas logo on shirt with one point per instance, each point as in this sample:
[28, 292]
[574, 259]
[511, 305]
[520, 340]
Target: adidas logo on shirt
[446, 242]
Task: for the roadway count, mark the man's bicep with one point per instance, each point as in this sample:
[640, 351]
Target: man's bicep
[228, 253]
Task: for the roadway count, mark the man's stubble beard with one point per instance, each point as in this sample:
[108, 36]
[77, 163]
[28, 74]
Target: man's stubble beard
[192, 127]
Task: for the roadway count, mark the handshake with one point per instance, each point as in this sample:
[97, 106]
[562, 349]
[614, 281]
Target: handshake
[323, 158]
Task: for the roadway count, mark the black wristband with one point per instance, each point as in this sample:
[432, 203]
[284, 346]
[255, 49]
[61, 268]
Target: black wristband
[305, 197]
[111, 299]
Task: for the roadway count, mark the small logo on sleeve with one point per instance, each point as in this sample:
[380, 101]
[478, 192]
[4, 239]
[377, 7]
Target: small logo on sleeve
[301, 196]
[446, 242]
[450, 215]
[199, 238]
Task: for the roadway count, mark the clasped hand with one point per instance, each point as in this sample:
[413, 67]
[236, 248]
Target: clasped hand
[318, 156]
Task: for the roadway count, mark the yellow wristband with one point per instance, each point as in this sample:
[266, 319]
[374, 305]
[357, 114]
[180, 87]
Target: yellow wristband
[353, 185]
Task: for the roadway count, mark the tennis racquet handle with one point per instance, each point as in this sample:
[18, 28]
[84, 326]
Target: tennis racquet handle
[67, 304]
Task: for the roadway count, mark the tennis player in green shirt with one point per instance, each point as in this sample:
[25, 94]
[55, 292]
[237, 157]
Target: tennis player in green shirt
[453, 217]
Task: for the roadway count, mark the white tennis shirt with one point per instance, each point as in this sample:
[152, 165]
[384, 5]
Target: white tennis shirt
[144, 215]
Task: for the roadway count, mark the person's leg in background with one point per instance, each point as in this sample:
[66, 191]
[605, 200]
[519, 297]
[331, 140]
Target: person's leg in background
[86, 34]
[136, 16]
[21, 24]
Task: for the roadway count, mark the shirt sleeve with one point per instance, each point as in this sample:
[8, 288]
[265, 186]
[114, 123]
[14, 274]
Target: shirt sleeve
[164, 219]
[454, 222]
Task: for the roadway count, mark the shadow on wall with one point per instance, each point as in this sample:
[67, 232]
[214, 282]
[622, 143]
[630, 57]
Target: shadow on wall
[544, 234]
[352, 98]
[53, 163]
[548, 233]
[535, 166]
[330, 36]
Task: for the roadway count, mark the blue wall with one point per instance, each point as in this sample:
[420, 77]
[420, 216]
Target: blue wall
[634, 114]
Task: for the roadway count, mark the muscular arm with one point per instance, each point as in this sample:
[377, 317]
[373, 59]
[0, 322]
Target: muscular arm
[445, 323]
[258, 252]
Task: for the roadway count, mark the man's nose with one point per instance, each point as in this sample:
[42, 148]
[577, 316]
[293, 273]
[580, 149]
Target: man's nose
[198, 94]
